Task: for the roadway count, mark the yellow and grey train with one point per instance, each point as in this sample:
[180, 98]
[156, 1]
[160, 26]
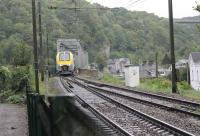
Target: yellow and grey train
[65, 62]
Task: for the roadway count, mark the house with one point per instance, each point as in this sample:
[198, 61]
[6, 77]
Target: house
[194, 66]
[182, 63]
[148, 69]
[116, 66]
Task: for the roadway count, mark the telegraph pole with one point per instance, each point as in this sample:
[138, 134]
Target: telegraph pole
[171, 26]
[35, 46]
[40, 39]
[47, 50]
[156, 65]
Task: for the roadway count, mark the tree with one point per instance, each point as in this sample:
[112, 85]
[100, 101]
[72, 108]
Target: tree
[137, 33]
[21, 55]
[166, 60]
[101, 60]
[5, 75]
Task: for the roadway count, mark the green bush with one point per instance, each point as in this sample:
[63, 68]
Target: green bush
[20, 77]
[5, 76]
[182, 74]
[156, 84]
[108, 78]
[15, 99]
[184, 86]
[14, 80]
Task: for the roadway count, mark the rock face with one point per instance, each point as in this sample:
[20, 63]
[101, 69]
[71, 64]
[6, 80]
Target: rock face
[13, 120]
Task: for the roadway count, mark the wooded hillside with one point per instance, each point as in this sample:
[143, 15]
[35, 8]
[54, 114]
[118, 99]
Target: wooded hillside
[137, 35]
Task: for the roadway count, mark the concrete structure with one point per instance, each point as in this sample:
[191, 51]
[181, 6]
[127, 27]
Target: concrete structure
[116, 66]
[194, 66]
[73, 45]
[132, 77]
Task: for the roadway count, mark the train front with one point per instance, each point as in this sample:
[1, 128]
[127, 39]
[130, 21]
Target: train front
[65, 62]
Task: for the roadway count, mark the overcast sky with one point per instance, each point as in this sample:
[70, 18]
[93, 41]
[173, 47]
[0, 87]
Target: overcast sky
[182, 8]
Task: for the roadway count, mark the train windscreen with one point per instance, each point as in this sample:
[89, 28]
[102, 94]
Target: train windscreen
[64, 56]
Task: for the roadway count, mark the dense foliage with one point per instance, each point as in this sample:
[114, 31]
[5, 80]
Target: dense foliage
[137, 35]
[14, 82]
[14, 78]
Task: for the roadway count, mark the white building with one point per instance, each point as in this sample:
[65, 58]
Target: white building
[194, 65]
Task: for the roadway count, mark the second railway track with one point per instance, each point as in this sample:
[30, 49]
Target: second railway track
[133, 121]
[178, 105]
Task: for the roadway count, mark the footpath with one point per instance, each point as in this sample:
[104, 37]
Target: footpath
[13, 120]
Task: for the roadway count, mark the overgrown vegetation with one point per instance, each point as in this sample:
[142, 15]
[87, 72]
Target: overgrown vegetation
[162, 85]
[109, 78]
[14, 81]
[15, 99]
[156, 85]
[136, 35]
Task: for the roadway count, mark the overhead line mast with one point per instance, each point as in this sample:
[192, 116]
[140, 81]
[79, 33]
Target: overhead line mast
[35, 46]
[171, 34]
[40, 40]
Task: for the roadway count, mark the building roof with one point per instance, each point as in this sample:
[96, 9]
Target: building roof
[195, 57]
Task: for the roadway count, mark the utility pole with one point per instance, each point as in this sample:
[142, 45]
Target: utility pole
[171, 26]
[35, 46]
[47, 63]
[40, 39]
[156, 65]
[47, 51]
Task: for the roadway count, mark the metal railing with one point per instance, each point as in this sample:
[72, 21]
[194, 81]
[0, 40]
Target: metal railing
[39, 117]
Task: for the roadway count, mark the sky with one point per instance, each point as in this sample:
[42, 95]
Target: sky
[181, 8]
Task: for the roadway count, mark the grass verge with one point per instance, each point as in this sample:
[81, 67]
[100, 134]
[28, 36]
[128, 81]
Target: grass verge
[157, 85]
[162, 85]
[108, 78]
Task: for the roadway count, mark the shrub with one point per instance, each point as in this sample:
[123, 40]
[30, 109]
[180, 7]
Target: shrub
[5, 76]
[182, 74]
[165, 83]
[184, 86]
[15, 99]
[20, 77]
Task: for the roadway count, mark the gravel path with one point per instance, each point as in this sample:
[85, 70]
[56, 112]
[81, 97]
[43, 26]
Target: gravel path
[13, 121]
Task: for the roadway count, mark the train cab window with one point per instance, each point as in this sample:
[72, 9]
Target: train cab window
[64, 56]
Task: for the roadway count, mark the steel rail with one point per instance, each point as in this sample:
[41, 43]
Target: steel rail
[169, 108]
[157, 122]
[98, 114]
[184, 102]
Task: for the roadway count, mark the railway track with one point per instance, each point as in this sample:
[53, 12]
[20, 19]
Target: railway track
[157, 103]
[111, 127]
[171, 104]
[131, 121]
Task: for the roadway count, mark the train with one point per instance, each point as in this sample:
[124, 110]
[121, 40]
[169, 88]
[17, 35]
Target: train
[65, 63]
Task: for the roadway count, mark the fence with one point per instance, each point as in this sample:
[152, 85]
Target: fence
[44, 118]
